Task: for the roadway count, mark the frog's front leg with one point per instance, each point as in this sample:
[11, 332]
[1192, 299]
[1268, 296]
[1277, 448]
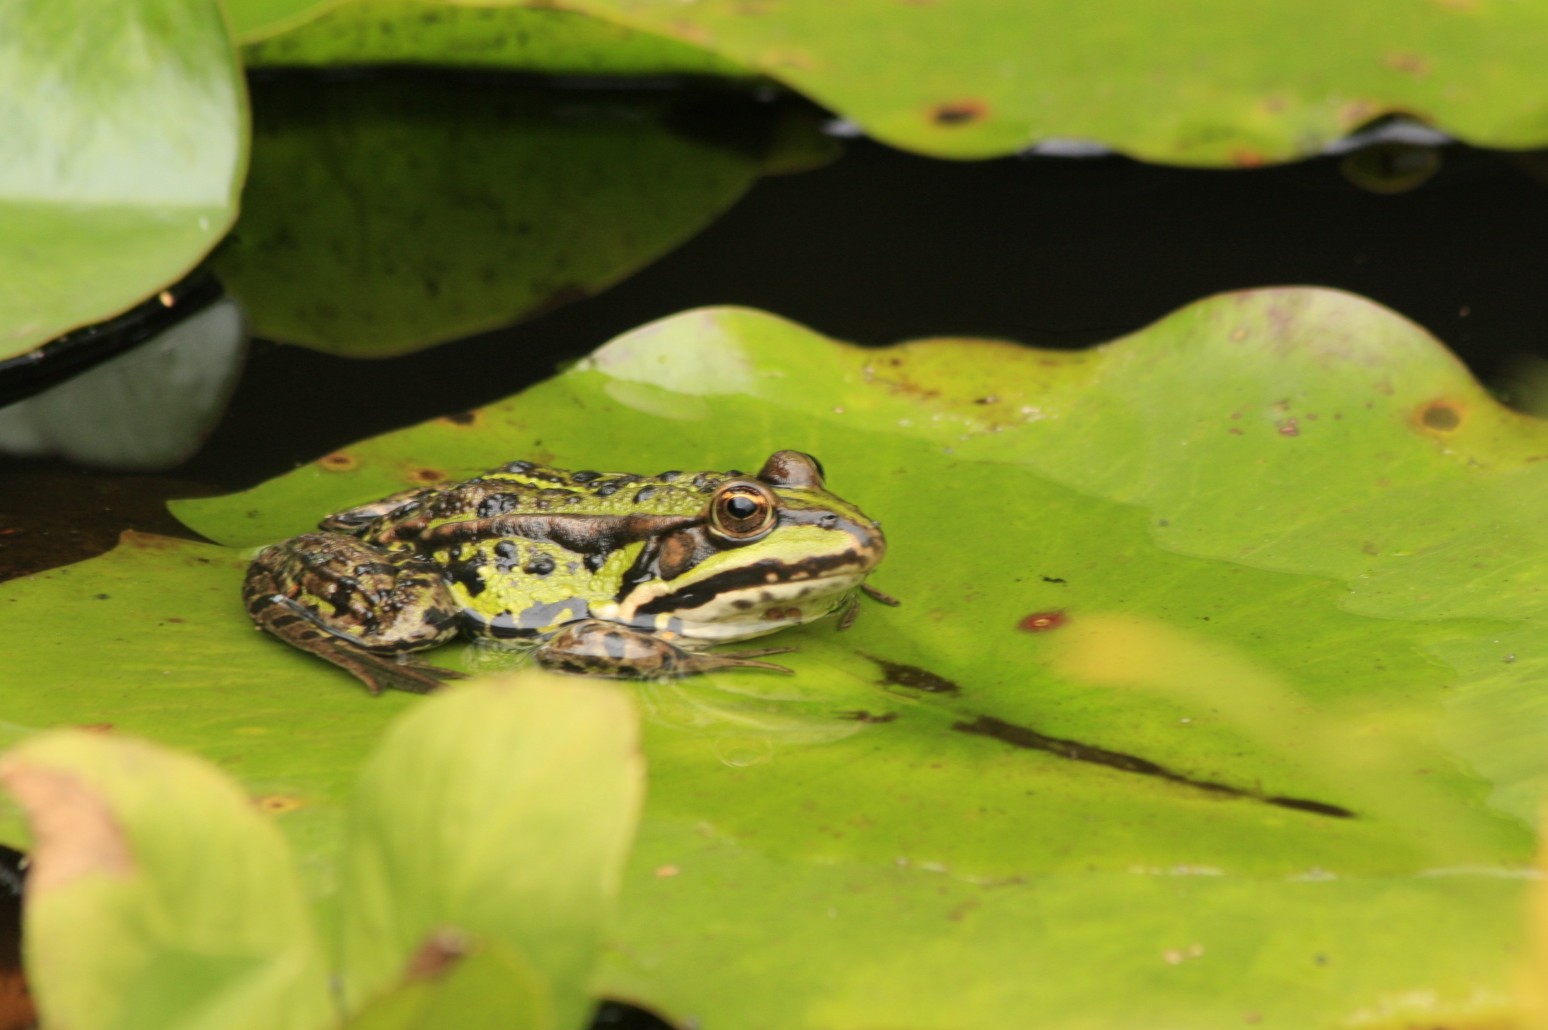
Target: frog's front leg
[598, 648]
[358, 606]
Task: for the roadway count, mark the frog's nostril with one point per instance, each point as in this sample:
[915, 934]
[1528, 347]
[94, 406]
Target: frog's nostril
[829, 521]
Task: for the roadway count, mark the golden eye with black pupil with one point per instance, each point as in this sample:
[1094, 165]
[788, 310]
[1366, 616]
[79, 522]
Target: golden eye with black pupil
[742, 512]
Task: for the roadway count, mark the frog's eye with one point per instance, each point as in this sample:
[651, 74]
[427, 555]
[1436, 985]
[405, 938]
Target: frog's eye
[742, 511]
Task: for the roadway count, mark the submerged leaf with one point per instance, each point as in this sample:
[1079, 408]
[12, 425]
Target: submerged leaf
[385, 214]
[1213, 693]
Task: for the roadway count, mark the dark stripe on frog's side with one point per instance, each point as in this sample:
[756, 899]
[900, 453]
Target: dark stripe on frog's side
[756, 574]
[583, 534]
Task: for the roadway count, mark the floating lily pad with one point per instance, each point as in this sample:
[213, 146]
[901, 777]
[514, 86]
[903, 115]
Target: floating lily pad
[378, 32]
[1213, 695]
[1197, 83]
[126, 137]
[384, 214]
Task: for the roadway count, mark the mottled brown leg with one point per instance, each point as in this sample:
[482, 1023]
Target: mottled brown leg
[598, 648]
[354, 605]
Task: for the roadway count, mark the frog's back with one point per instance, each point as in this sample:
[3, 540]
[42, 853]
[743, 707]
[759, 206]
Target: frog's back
[527, 488]
[527, 547]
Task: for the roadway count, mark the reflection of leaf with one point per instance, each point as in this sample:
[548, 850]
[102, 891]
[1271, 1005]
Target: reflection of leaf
[382, 32]
[1200, 82]
[389, 213]
[1215, 690]
[124, 134]
[120, 414]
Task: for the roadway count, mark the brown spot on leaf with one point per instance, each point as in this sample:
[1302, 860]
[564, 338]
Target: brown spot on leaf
[1244, 157]
[338, 461]
[278, 804]
[148, 541]
[95, 727]
[74, 833]
[959, 112]
[1288, 427]
[427, 475]
[461, 418]
[1042, 622]
[861, 715]
[1442, 416]
[442, 950]
[1407, 62]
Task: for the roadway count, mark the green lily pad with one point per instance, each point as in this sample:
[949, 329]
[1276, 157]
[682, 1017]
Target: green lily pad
[1198, 83]
[126, 137]
[400, 32]
[383, 215]
[1213, 695]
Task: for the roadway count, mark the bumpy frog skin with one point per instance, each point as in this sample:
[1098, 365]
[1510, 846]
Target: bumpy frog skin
[609, 574]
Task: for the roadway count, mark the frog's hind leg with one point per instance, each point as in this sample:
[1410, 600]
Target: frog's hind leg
[598, 648]
[358, 606]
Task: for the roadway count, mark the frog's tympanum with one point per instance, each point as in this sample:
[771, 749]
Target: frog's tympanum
[602, 573]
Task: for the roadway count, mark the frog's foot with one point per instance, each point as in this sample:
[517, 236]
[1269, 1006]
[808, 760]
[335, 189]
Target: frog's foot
[851, 607]
[596, 648]
[877, 595]
[357, 606]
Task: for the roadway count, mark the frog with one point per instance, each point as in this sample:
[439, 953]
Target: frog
[602, 574]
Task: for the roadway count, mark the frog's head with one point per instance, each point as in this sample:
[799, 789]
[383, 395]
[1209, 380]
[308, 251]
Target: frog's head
[768, 551]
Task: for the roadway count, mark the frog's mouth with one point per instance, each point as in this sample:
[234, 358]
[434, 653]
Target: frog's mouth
[760, 608]
[766, 580]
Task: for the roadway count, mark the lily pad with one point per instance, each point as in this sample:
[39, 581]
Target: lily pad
[1213, 695]
[385, 214]
[378, 32]
[1197, 83]
[126, 140]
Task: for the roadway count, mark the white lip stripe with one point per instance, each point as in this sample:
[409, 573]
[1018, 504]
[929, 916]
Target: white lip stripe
[720, 620]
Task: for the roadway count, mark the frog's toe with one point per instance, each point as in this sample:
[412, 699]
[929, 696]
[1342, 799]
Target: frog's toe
[695, 663]
[410, 676]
